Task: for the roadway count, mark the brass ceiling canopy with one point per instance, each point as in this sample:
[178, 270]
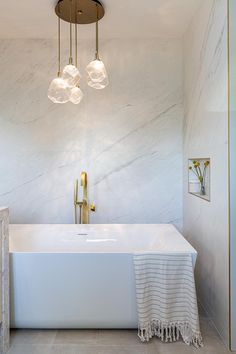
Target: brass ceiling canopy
[80, 11]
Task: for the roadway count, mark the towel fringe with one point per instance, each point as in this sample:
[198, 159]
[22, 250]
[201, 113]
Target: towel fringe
[170, 332]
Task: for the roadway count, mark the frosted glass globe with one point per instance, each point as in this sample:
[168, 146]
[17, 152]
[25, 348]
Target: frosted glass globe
[98, 85]
[96, 70]
[71, 75]
[58, 91]
[76, 95]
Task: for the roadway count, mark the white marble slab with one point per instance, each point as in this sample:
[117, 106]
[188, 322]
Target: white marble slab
[206, 135]
[128, 137]
[4, 281]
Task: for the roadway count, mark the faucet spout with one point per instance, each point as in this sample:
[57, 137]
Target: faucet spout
[84, 183]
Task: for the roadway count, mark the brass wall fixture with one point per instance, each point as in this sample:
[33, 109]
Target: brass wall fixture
[66, 86]
[84, 206]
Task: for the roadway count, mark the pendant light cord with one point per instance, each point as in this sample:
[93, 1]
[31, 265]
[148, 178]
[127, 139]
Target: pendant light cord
[59, 47]
[96, 54]
[76, 46]
[70, 58]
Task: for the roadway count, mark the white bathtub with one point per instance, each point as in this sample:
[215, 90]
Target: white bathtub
[81, 276]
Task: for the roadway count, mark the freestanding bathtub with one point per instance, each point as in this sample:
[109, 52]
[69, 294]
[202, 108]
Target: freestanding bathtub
[81, 276]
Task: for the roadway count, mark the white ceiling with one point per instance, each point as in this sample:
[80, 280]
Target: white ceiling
[123, 18]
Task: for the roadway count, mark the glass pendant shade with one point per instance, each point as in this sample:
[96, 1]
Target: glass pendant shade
[98, 85]
[96, 71]
[65, 87]
[71, 75]
[76, 95]
[58, 91]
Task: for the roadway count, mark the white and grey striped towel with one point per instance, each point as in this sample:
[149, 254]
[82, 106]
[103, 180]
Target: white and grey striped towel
[166, 297]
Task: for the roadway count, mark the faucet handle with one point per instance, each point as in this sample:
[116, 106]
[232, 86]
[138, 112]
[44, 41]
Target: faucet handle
[93, 207]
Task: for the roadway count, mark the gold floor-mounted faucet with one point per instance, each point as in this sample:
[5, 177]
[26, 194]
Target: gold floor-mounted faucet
[84, 206]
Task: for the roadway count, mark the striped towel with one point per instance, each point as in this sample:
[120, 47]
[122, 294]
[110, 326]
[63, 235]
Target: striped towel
[166, 298]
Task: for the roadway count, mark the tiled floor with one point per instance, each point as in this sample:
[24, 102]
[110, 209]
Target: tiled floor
[106, 342]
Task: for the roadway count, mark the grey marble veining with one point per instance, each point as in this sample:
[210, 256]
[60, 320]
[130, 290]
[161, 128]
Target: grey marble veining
[128, 137]
[4, 281]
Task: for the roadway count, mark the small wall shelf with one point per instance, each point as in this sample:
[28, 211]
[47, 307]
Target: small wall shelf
[199, 177]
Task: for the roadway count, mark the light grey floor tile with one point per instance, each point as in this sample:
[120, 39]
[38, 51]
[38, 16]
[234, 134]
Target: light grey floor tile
[119, 337]
[152, 347]
[66, 349]
[97, 349]
[32, 336]
[181, 348]
[108, 342]
[30, 349]
[131, 349]
[76, 336]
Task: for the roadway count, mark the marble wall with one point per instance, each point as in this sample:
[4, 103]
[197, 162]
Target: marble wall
[206, 135]
[4, 281]
[232, 134]
[127, 137]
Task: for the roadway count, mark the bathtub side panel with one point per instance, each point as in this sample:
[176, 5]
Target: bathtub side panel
[72, 291]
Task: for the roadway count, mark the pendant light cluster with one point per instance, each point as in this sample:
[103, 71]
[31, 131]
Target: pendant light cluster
[66, 87]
